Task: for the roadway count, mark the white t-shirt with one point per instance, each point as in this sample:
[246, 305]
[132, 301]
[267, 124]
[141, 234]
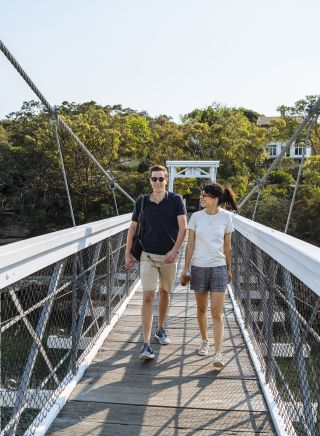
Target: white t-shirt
[209, 237]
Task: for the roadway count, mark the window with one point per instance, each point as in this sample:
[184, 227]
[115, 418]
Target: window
[282, 148]
[272, 148]
[299, 150]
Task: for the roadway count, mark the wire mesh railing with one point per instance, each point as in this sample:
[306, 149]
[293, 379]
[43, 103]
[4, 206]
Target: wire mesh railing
[281, 313]
[52, 317]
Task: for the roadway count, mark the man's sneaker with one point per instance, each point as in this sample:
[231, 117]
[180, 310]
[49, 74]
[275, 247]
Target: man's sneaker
[146, 352]
[218, 360]
[162, 337]
[203, 350]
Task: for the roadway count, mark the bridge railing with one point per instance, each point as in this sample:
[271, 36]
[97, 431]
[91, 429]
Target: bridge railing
[276, 284]
[59, 293]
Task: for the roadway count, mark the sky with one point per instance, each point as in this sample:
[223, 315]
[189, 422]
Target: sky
[164, 57]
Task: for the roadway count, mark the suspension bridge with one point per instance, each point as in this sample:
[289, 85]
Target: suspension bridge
[70, 334]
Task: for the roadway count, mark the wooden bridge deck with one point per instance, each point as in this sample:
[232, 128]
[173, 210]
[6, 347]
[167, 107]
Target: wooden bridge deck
[178, 393]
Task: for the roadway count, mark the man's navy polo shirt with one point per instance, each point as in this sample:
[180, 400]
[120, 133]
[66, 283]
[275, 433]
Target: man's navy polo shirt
[160, 224]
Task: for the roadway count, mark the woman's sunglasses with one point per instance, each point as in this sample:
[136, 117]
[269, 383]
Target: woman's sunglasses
[154, 179]
[204, 194]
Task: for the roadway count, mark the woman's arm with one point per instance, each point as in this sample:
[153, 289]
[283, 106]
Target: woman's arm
[228, 252]
[189, 251]
[128, 256]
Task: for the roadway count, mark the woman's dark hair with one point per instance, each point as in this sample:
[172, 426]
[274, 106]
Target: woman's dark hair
[225, 195]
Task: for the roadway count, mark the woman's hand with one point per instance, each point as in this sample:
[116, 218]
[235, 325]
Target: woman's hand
[185, 277]
[229, 276]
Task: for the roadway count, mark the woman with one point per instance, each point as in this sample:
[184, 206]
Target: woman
[209, 253]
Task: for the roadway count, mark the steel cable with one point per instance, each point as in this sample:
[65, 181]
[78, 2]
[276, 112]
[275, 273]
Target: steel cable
[314, 109]
[52, 111]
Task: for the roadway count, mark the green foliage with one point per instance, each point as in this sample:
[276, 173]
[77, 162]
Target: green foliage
[127, 143]
[306, 223]
[185, 186]
[282, 178]
[107, 210]
[239, 184]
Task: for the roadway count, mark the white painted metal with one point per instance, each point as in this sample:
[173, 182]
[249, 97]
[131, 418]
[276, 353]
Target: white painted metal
[114, 290]
[43, 427]
[277, 316]
[34, 397]
[298, 257]
[285, 350]
[295, 410]
[65, 342]
[20, 259]
[200, 169]
[277, 419]
[98, 312]
[257, 295]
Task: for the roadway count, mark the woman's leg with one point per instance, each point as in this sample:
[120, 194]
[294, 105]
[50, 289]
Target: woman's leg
[217, 301]
[202, 307]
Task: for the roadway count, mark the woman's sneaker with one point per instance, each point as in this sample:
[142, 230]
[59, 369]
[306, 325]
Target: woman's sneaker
[203, 350]
[218, 360]
[146, 352]
[162, 337]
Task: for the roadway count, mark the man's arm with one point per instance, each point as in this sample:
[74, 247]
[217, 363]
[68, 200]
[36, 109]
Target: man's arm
[128, 256]
[228, 252]
[173, 253]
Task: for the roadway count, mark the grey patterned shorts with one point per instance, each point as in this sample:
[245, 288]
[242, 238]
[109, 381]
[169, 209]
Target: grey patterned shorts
[208, 278]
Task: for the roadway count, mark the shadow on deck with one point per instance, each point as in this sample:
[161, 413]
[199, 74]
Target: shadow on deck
[179, 393]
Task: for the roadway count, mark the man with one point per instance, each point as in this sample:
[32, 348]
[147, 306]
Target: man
[164, 229]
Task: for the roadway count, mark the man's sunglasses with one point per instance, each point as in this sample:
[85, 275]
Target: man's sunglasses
[154, 179]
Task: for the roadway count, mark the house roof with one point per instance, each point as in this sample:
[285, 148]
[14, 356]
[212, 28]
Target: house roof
[266, 121]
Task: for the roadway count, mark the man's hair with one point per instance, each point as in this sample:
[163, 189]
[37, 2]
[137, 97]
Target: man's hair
[158, 168]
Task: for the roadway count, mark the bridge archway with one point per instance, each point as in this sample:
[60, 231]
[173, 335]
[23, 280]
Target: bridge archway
[199, 169]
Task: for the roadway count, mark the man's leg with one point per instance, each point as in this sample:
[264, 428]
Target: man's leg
[167, 275]
[164, 301]
[148, 274]
[147, 314]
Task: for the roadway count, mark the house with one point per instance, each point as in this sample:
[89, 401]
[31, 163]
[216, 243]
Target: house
[274, 149]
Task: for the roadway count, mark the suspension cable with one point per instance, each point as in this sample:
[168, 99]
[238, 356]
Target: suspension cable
[56, 134]
[51, 110]
[111, 185]
[299, 174]
[313, 109]
[261, 186]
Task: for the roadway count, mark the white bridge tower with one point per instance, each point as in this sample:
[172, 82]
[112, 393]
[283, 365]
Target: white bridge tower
[199, 169]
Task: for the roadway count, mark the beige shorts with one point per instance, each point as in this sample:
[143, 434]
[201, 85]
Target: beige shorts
[151, 270]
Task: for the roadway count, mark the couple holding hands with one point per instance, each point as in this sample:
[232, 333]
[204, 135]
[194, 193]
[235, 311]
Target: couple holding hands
[207, 257]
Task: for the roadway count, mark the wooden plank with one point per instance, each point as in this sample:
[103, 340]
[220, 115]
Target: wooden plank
[177, 339]
[105, 418]
[175, 323]
[238, 365]
[174, 311]
[176, 391]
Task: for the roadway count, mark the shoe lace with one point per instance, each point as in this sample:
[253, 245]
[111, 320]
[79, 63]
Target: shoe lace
[145, 347]
[162, 332]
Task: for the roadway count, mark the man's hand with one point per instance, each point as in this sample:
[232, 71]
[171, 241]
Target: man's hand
[128, 261]
[171, 256]
[229, 276]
